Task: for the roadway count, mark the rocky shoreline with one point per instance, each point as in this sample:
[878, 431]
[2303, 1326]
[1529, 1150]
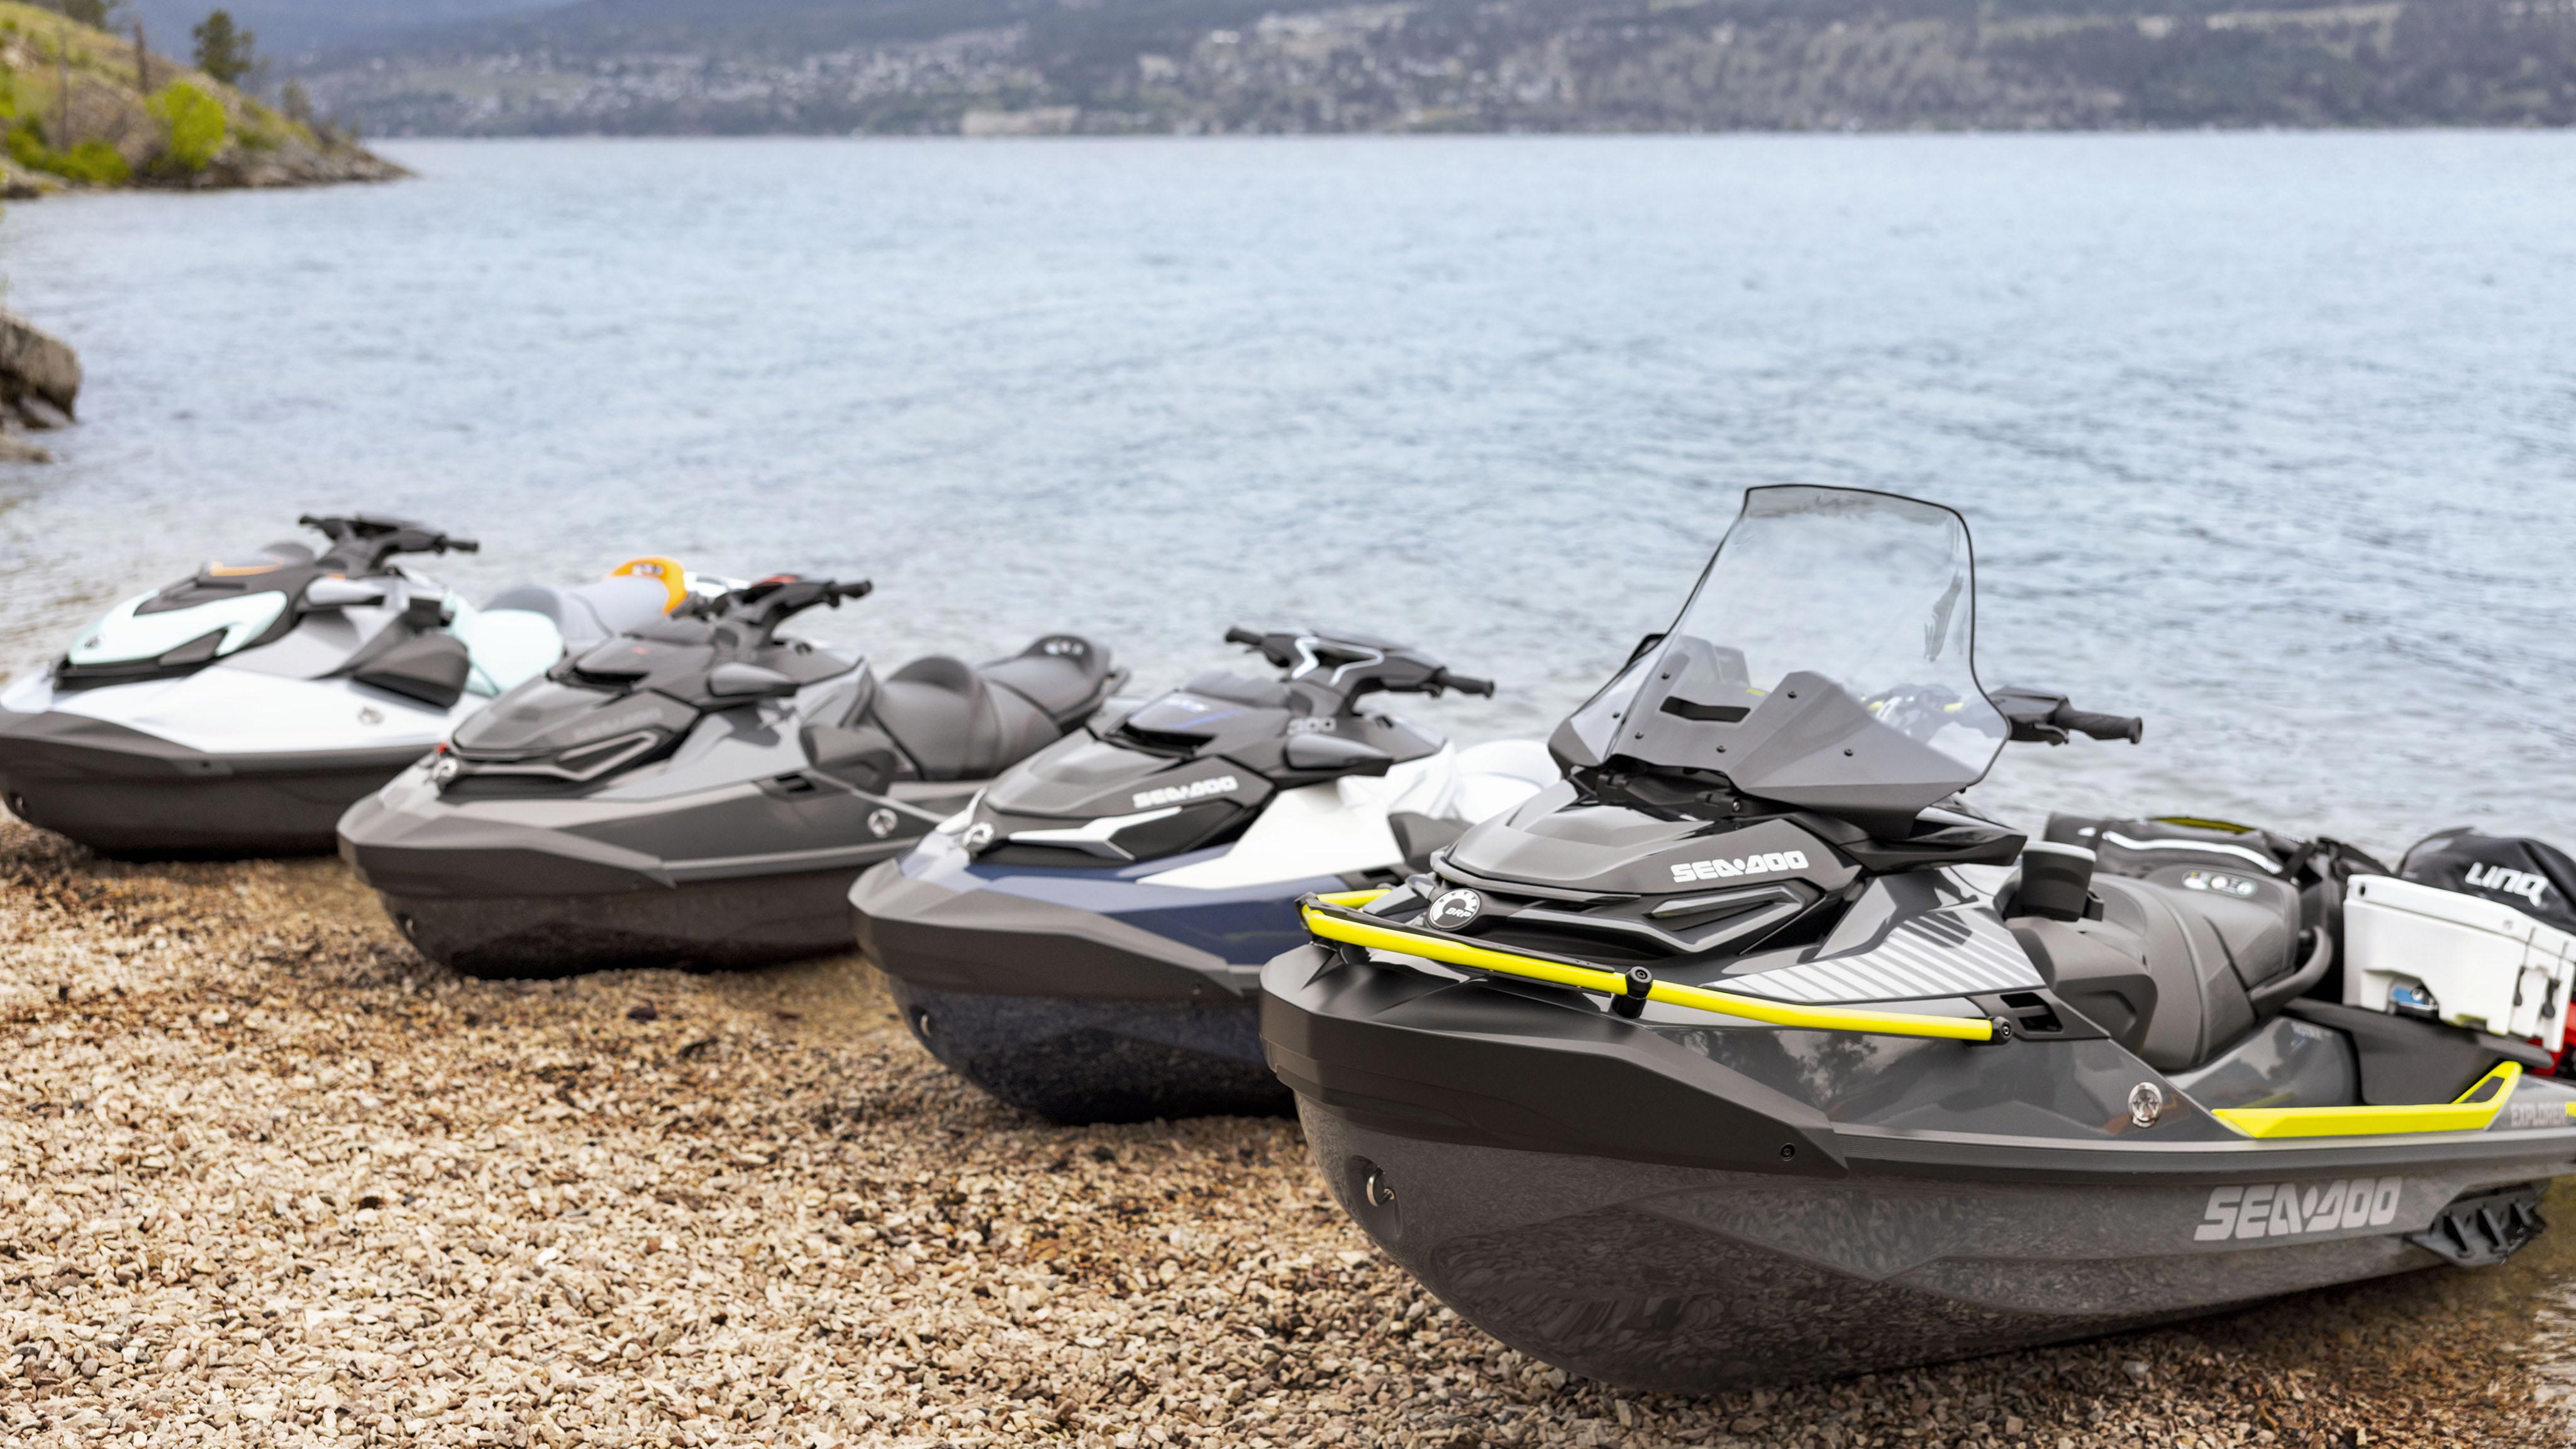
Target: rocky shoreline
[82, 109]
[267, 1177]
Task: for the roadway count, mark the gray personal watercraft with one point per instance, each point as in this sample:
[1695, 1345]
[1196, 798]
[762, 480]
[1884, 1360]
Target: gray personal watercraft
[1751, 1054]
[700, 792]
[1087, 941]
[242, 709]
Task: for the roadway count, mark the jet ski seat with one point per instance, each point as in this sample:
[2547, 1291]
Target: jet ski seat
[590, 613]
[1062, 674]
[2177, 972]
[957, 721]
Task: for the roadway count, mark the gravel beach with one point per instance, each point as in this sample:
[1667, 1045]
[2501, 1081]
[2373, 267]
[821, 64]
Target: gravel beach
[266, 1177]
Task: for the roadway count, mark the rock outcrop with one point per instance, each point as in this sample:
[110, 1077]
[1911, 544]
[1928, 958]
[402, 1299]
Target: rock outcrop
[40, 382]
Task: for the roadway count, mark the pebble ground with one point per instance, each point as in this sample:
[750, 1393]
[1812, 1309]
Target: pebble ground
[267, 1178]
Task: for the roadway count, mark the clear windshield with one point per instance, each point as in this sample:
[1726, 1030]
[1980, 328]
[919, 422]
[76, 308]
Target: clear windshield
[1827, 653]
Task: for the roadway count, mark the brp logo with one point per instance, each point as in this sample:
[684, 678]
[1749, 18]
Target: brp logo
[977, 836]
[881, 823]
[1456, 910]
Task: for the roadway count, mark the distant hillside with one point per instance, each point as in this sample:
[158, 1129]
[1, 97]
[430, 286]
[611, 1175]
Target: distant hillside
[80, 107]
[1191, 66]
[288, 28]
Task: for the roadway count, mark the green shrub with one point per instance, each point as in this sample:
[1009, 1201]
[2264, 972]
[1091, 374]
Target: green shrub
[94, 162]
[27, 145]
[192, 125]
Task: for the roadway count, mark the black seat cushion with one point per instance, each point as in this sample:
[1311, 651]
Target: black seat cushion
[935, 709]
[2164, 968]
[2199, 1004]
[1064, 675]
[954, 725]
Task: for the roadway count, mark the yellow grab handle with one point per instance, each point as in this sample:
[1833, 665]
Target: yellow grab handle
[2469, 1114]
[1327, 918]
[675, 579]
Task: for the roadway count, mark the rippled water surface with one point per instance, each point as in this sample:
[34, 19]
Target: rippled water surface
[2270, 438]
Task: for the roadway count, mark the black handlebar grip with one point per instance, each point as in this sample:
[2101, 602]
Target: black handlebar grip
[458, 545]
[858, 590]
[1464, 684]
[2099, 726]
[1240, 635]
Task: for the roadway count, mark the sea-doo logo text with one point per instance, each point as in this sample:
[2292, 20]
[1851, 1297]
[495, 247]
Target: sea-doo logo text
[1195, 790]
[2279, 1210]
[1686, 871]
[2512, 882]
[1456, 909]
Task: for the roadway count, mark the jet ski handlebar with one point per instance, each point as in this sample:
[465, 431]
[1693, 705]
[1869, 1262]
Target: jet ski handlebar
[1464, 684]
[361, 542]
[768, 603]
[1351, 666]
[2038, 716]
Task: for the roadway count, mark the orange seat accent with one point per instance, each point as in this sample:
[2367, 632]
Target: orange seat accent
[675, 579]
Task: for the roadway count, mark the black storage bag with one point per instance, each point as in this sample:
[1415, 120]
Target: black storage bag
[2535, 879]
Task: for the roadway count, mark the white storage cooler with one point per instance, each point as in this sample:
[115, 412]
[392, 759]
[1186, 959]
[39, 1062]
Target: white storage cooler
[2484, 966]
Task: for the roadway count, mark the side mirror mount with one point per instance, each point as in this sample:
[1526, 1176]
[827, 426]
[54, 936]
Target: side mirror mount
[748, 681]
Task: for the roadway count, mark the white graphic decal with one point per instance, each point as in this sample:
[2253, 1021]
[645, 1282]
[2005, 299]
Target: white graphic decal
[1195, 790]
[2512, 882]
[2288, 1209]
[1687, 871]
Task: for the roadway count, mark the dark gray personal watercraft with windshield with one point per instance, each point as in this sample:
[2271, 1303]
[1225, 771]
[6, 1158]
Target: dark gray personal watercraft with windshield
[1751, 1054]
[698, 792]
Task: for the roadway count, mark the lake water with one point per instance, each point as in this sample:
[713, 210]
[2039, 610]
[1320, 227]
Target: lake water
[2269, 438]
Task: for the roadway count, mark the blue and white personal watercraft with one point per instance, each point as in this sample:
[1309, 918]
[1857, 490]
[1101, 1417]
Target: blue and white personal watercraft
[1086, 939]
[242, 709]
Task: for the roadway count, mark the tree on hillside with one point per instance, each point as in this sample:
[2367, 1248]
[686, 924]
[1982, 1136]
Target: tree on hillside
[88, 12]
[224, 49]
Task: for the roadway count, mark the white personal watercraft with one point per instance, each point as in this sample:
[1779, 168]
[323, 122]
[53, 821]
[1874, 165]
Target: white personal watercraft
[242, 709]
[1087, 940]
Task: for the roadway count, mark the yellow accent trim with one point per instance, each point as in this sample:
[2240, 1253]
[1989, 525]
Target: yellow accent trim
[2196, 822]
[1353, 900]
[235, 571]
[2571, 1109]
[2464, 1115]
[1454, 952]
[675, 579]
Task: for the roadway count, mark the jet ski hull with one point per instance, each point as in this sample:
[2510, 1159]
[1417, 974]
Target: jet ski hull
[703, 925]
[125, 792]
[1708, 1210]
[506, 897]
[1082, 996]
[1692, 1281]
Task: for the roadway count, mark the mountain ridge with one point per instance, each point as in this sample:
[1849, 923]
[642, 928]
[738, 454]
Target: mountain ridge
[1202, 66]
